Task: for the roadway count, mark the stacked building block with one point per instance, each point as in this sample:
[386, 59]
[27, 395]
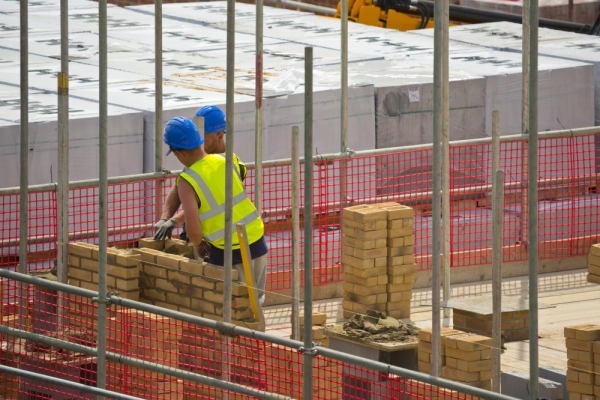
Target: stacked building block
[401, 267]
[583, 354]
[515, 324]
[378, 259]
[594, 264]
[425, 347]
[319, 320]
[468, 360]
[191, 286]
[364, 258]
[121, 270]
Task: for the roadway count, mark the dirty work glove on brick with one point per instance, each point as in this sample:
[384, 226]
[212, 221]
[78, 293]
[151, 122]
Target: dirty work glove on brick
[164, 228]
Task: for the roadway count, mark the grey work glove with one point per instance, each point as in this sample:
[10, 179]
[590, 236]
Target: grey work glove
[164, 228]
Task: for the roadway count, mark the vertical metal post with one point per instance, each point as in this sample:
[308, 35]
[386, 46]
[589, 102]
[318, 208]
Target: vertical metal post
[308, 219]
[62, 243]
[525, 119]
[436, 166]
[24, 165]
[24, 145]
[158, 104]
[533, 199]
[344, 106]
[295, 233]
[102, 196]
[497, 221]
[344, 83]
[446, 157]
[230, 110]
[229, 158]
[258, 155]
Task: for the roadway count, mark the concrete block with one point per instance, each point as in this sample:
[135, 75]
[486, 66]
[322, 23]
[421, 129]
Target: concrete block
[516, 384]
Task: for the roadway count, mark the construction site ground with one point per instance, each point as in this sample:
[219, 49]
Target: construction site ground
[574, 300]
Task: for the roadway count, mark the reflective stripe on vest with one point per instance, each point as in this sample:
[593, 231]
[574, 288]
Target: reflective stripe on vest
[208, 174]
[212, 203]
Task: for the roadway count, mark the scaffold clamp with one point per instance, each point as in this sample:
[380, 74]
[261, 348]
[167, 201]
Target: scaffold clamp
[106, 301]
[304, 350]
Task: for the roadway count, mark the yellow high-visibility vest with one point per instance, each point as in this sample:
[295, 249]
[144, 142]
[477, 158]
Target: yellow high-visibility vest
[207, 177]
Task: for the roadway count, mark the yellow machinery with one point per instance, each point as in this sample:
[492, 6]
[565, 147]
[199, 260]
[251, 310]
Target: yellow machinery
[406, 15]
[367, 13]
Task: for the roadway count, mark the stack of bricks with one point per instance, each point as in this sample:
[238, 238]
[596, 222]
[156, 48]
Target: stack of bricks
[594, 264]
[401, 267]
[583, 354]
[378, 259]
[193, 287]
[121, 269]
[425, 348]
[364, 258]
[468, 360]
[515, 324]
[319, 320]
[147, 337]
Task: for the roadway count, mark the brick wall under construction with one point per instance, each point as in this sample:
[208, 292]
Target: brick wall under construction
[153, 276]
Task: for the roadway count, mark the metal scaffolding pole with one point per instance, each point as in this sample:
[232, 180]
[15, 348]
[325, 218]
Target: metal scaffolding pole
[344, 105]
[497, 215]
[525, 120]
[258, 154]
[438, 114]
[158, 105]
[309, 351]
[62, 242]
[230, 109]
[24, 165]
[533, 199]
[295, 233]
[102, 196]
[446, 157]
[228, 255]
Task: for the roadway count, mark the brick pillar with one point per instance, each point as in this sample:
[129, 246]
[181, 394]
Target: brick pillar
[594, 264]
[468, 360]
[364, 258]
[583, 359]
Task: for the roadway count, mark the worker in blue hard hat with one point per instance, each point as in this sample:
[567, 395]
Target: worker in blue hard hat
[214, 143]
[201, 188]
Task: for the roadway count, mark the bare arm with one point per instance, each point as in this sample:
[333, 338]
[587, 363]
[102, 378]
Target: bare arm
[189, 202]
[172, 204]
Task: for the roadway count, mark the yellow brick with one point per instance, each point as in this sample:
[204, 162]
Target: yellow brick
[400, 232]
[569, 331]
[80, 274]
[348, 241]
[81, 249]
[122, 272]
[399, 251]
[74, 261]
[151, 243]
[364, 273]
[89, 264]
[357, 262]
[366, 235]
[128, 259]
[192, 267]
[365, 226]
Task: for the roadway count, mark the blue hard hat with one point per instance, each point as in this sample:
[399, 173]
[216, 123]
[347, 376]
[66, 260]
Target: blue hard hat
[214, 119]
[181, 133]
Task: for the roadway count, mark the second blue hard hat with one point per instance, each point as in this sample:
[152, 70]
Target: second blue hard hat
[214, 119]
[181, 133]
